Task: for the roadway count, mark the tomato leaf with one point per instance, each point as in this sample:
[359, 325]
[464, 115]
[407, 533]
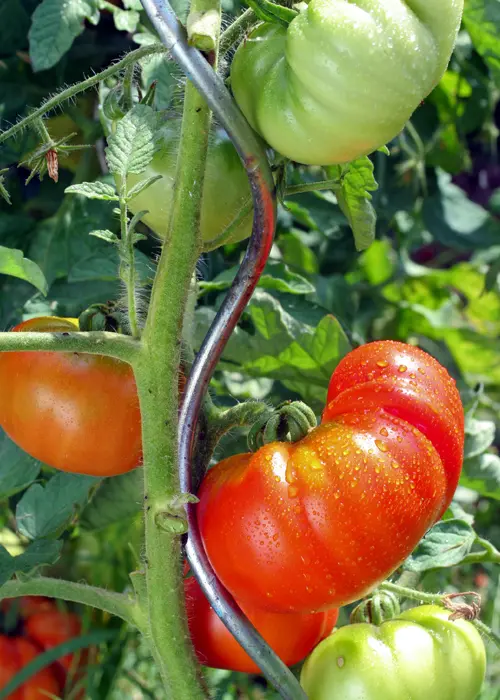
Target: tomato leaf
[40, 553]
[482, 474]
[42, 511]
[54, 26]
[447, 544]
[94, 190]
[276, 276]
[132, 147]
[17, 469]
[118, 498]
[13, 262]
[479, 435]
[354, 199]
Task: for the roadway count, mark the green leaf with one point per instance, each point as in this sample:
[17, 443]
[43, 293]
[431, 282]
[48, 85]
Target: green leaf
[41, 553]
[118, 498]
[454, 220]
[447, 544]
[479, 435]
[141, 186]
[42, 511]
[276, 276]
[482, 474]
[94, 190]
[355, 200]
[54, 26]
[482, 21]
[131, 148]
[17, 469]
[301, 350]
[126, 21]
[105, 235]
[13, 262]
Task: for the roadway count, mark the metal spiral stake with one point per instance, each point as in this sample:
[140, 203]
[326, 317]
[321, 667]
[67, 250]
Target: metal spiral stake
[209, 84]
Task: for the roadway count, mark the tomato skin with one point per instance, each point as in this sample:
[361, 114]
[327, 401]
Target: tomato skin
[344, 77]
[291, 636]
[420, 655]
[319, 523]
[49, 628]
[406, 382]
[15, 653]
[226, 189]
[75, 412]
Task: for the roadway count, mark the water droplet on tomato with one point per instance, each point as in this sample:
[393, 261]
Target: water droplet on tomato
[382, 364]
[384, 432]
[402, 368]
[381, 445]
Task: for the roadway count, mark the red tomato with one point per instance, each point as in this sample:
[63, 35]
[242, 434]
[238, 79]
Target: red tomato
[28, 605]
[319, 523]
[49, 628]
[406, 382]
[75, 412]
[15, 653]
[291, 636]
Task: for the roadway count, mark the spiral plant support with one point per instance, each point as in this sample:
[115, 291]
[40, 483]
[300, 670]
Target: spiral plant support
[211, 86]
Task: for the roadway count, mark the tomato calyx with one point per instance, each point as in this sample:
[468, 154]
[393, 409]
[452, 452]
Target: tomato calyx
[289, 422]
[101, 317]
[381, 606]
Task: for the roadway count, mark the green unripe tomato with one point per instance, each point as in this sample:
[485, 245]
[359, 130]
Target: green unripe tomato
[420, 655]
[226, 190]
[344, 77]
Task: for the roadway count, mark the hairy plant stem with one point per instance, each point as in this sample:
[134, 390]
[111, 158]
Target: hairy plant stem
[157, 376]
[121, 347]
[73, 90]
[236, 30]
[127, 255]
[114, 603]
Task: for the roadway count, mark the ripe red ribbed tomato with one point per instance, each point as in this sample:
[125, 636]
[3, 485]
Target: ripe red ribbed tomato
[291, 636]
[75, 412]
[405, 382]
[17, 652]
[319, 523]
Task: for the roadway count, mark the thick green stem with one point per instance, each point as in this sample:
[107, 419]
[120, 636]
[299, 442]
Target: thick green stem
[116, 345]
[73, 90]
[114, 603]
[157, 379]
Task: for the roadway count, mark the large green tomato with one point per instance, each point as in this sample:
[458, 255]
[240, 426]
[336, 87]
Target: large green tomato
[344, 77]
[420, 655]
[226, 191]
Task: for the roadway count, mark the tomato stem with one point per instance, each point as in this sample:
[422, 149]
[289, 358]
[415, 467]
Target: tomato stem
[236, 30]
[157, 378]
[114, 603]
[73, 90]
[121, 347]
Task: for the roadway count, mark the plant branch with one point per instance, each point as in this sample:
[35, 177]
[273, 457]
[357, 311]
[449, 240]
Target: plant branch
[236, 30]
[114, 603]
[73, 90]
[117, 345]
[313, 187]
[157, 377]
[127, 260]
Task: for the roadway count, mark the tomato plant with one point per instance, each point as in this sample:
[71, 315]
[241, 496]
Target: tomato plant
[17, 652]
[289, 527]
[278, 75]
[420, 654]
[78, 413]
[226, 194]
[291, 636]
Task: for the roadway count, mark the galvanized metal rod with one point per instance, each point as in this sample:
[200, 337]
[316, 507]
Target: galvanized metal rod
[209, 84]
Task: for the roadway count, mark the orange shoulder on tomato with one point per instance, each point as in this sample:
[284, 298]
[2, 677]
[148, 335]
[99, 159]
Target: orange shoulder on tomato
[292, 636]
[319, 523]
[17, 652]
[75, 412]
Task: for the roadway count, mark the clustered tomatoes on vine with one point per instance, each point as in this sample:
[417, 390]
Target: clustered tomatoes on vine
[42, 626]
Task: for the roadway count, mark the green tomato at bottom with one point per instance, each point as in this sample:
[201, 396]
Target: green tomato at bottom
[420, 655]
[226, 190]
